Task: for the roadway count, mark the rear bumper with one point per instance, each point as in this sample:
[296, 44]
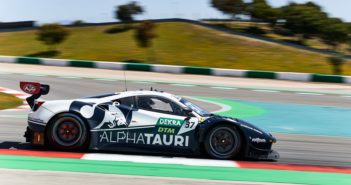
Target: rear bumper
[28, 134]
[34, 137]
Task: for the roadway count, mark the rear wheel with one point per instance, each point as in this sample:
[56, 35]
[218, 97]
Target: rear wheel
[223, 142]
[67, 132]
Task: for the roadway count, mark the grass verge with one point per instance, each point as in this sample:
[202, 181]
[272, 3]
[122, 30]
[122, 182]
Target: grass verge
[176, 44]
[8, 101]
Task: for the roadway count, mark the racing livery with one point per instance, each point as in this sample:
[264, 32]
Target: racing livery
[141, 121]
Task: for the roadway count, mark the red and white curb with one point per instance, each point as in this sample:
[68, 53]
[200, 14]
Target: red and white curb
[19, 95]
[175, 160]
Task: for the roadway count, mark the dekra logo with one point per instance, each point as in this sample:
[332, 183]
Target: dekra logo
[170, 122]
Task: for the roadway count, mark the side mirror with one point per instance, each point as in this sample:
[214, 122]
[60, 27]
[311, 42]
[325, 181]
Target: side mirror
[116, 104]
[188, 111]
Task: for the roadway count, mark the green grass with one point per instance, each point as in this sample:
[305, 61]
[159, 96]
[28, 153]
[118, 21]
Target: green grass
[8, 101]
[312, 42]
[176, 44]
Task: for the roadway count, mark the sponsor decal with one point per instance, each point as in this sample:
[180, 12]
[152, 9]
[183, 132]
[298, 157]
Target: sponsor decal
[30, 87]
[166, 130]
[202, 119]
[170, 122]
[173, 126]
[144, 138]
[258, 140]
[113, 118]
[169, 125]
[189, 125]
[117, 122]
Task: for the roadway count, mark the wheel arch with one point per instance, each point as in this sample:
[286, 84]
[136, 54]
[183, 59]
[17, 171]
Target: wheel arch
[67, 112]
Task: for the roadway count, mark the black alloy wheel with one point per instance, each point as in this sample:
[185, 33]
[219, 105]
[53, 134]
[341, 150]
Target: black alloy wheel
[223, 142]
[67, 132]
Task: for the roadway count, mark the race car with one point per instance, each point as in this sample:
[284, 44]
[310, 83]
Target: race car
[145, 121]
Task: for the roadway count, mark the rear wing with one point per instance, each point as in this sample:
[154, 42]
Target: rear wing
[35, 89]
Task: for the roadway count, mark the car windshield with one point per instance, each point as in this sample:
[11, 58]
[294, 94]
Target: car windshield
[197, 109]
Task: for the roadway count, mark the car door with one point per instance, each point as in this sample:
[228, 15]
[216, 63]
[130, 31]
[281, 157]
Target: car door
[164, 123]
[112, 130]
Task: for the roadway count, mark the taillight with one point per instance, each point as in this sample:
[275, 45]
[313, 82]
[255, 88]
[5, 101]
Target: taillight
[37, 105]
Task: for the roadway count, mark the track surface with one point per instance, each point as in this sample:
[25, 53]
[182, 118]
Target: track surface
[7, 176]
[294, 149]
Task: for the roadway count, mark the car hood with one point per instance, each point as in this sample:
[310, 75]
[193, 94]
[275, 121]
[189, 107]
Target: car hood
[243, 124]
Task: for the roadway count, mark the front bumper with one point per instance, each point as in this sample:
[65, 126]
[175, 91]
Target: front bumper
[273, 155]
[262, 154]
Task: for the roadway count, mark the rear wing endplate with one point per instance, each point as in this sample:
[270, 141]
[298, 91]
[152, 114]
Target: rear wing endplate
[35, 89]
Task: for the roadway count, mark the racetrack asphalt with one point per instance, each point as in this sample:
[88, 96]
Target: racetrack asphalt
[294, 148]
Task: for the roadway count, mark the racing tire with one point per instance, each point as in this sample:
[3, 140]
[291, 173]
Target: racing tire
[223, 142]
[67, 132]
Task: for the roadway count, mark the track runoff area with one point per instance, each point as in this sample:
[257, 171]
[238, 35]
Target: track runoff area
[265, 112]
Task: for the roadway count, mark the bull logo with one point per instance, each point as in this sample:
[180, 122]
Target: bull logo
[29, 88]
[113, 117]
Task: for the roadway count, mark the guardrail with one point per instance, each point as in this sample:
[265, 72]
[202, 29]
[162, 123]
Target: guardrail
[307, 77]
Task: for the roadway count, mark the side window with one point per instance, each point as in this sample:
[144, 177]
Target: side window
[158, 104]
[126, 102]
[177, 110]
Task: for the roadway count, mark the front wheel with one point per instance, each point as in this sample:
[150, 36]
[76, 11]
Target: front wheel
[223, 142]
[67, 132]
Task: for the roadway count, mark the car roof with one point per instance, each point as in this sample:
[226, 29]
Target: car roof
[147, 92]
[122, 94]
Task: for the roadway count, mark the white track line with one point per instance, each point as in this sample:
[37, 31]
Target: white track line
[105, 79]
[13, 116]
[183, 85]
[34, 74]
[141, 82]
[306, 93]
[159, 160]
[70, 77]
[10, 91]
[224, 107]
[263, 90]
[5, 73]
[226, 88]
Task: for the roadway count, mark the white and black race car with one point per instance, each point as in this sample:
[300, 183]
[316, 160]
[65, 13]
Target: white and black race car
[141, 121]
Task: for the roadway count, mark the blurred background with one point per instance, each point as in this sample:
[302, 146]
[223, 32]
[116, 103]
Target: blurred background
[310, 118]
[282, 35]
